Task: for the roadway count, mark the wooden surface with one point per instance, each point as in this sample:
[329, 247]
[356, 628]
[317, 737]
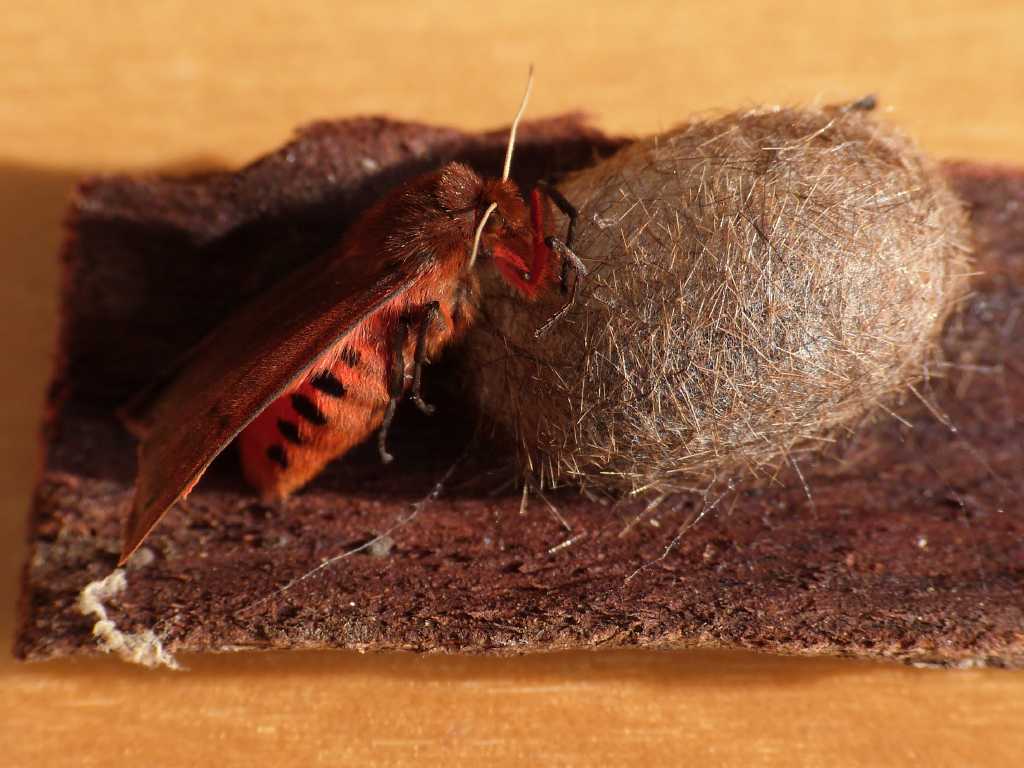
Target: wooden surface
[103, 86]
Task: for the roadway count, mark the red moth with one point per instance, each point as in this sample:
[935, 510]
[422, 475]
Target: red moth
[320, 361]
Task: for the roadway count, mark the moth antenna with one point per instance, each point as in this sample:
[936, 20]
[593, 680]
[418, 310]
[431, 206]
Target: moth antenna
[507, 169]
[515, 125]
[480, 232]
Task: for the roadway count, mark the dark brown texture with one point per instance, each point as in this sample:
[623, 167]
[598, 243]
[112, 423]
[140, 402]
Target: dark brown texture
[912, 547]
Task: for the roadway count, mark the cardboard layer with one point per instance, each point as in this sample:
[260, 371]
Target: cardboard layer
[905, 542]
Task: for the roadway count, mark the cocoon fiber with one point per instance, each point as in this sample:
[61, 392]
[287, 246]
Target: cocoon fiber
[757, 282]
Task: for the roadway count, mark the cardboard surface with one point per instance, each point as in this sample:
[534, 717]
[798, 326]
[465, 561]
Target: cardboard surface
[908, 547]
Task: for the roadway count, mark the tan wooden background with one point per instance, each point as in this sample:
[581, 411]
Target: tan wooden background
[87, 86]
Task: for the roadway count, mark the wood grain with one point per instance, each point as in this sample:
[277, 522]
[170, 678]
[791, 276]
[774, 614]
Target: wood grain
[103, 86]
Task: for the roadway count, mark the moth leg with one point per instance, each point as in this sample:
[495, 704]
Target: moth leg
[430, 312]
[396, 385]
[571, 265]
[567, 209]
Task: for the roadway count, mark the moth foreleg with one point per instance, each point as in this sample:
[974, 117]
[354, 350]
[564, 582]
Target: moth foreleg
[572, 266]
[567, 209]
[396, 384]
[429, 313]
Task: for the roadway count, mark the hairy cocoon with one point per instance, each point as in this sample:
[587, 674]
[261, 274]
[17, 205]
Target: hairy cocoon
[758, 282]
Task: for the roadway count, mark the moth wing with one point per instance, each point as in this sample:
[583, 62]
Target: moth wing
[243, 366]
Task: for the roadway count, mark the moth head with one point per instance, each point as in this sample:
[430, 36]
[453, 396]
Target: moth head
[510, 238]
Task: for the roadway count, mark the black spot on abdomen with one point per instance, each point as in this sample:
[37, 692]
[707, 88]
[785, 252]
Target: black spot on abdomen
[307, 409]
[277, 455]
[327, 383]
[289, 431]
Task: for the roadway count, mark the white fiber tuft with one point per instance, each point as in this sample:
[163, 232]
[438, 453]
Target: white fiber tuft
[142, 648]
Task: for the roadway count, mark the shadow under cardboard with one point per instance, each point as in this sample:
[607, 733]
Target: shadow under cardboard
[673, 669]
[907, 549]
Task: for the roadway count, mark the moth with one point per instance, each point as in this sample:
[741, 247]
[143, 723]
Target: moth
[320, 361]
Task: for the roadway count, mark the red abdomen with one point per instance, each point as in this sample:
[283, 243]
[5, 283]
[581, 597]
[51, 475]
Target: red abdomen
[342, 400]
[332, 410]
